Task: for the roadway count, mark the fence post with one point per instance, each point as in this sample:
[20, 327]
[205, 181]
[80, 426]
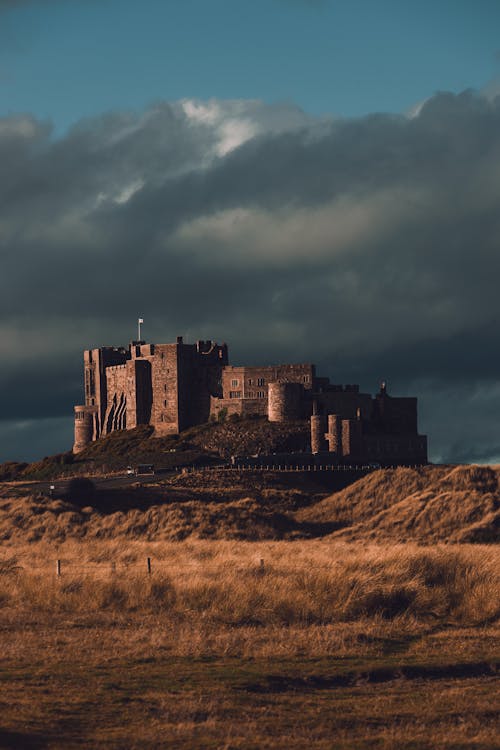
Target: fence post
[58, 568]
[149, 566]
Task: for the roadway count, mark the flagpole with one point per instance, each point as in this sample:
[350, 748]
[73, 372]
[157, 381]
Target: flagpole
[139, 323]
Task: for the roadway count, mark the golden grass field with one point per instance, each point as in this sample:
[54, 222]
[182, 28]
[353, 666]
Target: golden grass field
[330, 645]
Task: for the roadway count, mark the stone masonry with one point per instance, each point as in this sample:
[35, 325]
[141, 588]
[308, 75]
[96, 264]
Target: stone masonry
[176, 386]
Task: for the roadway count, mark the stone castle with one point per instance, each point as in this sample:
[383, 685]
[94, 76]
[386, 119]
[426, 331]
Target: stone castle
[176, 386]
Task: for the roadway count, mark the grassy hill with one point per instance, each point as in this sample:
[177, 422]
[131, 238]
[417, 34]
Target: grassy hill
[199, 445]
[425, 505]
[428, 504]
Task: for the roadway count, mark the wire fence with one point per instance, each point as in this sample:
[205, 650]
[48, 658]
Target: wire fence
[149, 566]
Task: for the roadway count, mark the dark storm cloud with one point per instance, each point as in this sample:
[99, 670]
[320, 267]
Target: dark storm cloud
[369, 246]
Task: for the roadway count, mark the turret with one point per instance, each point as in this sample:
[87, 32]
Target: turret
[84, 427]
[284, 401]
[318, 429]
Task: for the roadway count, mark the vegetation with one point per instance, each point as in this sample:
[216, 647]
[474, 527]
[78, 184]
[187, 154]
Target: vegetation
[329, 644]
[224, 583]
[429, 504]
[425, 505]
[198, 445]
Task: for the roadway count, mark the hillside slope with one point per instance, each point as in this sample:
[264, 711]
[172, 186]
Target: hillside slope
[205, 443]
[425, 505]
[428, 504]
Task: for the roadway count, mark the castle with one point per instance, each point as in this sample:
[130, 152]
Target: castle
[175, 386]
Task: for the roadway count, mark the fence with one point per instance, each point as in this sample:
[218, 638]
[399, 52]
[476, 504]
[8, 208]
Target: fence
[285, 468]
[146, 566]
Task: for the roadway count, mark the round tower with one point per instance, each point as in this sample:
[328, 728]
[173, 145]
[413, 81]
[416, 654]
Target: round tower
[318, 429]
[84, 427]
[284, 401]
[335, 434]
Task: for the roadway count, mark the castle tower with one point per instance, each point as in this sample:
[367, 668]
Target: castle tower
[284, 401]
[351, 438]
[318, 429]
[84, 427]
[334, 435]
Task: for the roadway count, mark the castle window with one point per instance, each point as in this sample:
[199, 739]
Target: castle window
[260, 381]
[165, 402]
[261, 394]
[234, 383]
[306, 378]
[234, 394]
[165, 387]
[250, 394]
[250, 381]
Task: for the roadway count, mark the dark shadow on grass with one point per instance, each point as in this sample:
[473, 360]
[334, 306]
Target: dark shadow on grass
[378, 675]
[17, 740]
[109, 501]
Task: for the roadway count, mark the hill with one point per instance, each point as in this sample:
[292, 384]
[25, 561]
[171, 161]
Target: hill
[428, 504]
[425, 505]
[203, 444]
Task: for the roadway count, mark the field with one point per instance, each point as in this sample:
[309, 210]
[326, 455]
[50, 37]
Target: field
[325, 644]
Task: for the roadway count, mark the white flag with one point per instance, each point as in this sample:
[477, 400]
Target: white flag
[141, 320]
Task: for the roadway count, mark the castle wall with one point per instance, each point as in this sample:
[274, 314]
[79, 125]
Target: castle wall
[397, 416]
[245, 390]
[184, 379]
[96, 362]
[139, 392]
[351, 439]
[395, 449]
[242, 407]
[115, 417]
[253, 382]
[165, 396]
[345, 403]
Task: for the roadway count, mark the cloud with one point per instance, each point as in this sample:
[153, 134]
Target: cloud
[369, 246]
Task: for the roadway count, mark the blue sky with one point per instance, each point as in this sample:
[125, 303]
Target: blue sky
[63, 60]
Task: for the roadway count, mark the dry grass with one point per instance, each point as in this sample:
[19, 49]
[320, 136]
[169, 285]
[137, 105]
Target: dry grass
[331, 645]
[426, 505]
[222, 585]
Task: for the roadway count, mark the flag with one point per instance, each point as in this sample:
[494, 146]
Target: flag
[141, 320]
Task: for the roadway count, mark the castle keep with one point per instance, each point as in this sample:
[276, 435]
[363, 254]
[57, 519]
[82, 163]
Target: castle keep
[175, 386]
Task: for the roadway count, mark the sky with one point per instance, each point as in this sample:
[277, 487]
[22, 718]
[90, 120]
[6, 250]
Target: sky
[307, 180]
